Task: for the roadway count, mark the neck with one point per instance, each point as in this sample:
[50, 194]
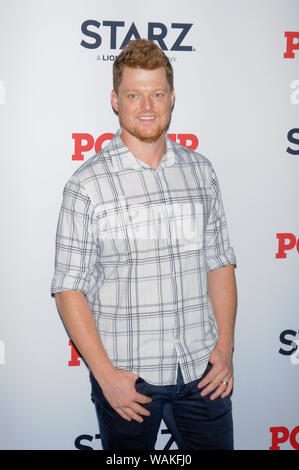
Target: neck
[149, 152]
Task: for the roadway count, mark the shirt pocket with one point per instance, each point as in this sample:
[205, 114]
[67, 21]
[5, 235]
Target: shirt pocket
[186, 224]
[112, 235]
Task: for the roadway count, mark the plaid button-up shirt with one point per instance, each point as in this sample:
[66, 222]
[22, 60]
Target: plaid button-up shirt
[138, 243]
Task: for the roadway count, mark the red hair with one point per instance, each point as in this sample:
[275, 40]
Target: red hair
[144, 54]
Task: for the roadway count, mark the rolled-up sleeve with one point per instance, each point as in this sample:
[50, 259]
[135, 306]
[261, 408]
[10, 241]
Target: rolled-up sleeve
[75, 242]
[218, 251]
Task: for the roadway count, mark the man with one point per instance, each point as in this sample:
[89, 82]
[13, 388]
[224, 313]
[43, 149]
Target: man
[144, 278]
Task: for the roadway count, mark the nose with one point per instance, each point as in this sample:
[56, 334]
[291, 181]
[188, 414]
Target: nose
[146, 103]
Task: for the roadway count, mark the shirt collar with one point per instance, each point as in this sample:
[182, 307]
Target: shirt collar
[122, 157]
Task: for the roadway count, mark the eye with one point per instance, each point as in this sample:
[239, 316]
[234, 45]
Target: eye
[132, 96]
[158, 95]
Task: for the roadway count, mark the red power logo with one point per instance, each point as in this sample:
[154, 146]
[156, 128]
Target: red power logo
[85, 142]
[281, 434]
[75, 355]
[286, 242]
[292, 44]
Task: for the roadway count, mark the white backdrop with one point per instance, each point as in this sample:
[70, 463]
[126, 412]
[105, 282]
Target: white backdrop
[239, 95]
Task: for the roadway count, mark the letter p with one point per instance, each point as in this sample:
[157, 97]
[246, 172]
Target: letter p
[80, 147]
[280, 434]
[283, 246]
[291, 46]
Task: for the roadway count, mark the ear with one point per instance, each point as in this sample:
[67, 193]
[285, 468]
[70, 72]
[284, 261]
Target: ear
[114, 100]
[172, 97]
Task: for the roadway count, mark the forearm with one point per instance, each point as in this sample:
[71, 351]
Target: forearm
[118, 386]
[223, 294]
[81, 327]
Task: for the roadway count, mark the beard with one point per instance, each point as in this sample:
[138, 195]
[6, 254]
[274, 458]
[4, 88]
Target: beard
[154, 135]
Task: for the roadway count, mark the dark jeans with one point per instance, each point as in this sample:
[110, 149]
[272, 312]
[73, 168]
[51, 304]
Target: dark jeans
[196, 423]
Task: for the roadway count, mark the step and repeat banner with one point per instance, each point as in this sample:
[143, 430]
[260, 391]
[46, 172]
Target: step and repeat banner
[236, 68]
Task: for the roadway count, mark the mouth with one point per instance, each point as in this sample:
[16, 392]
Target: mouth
[146, 119]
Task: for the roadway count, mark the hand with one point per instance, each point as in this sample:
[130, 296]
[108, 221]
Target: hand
[222, 370]
[119, 390]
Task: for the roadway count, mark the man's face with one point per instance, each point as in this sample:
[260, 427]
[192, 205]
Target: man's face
[144, 102]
